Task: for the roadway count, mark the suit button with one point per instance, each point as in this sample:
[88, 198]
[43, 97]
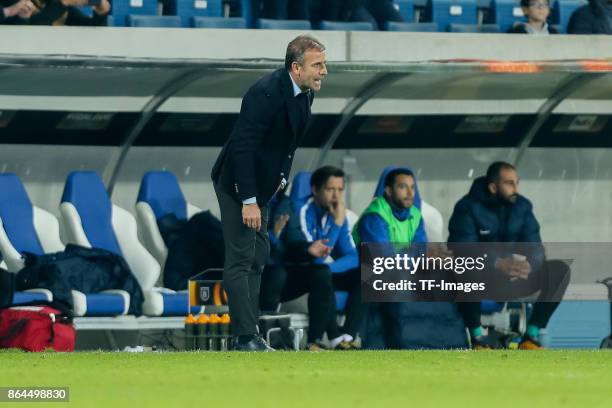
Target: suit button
[289, 156]
[282, 174]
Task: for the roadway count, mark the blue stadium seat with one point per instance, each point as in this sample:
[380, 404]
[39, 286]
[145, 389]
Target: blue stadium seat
[300, 187]
[505, 13]
[160, 195]
[91, 219]
[474, 28]
[412, 27]
[30, 229]
[122, 8]
[446, 12]
[153, 21]
[562, 11]
[269, 24]
[218, 22]
[406, 9]
[344, 26]
[246, 10]
[187, 9]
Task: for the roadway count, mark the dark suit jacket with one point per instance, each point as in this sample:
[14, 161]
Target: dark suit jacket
[259, 152]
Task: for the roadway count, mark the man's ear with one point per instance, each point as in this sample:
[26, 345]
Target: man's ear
[313, 190]
[388, 191]
[492, 188]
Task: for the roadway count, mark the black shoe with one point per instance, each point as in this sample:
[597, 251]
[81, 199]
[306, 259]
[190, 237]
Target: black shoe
[484, 343]
[256, 343]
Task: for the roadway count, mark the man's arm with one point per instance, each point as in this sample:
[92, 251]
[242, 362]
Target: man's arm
[256, 115]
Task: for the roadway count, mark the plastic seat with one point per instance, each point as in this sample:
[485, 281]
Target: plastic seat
[411, 27]
[186, 10]
[122, 8]
[505, 13]
[345, 26]
[474, 28]
[153, 21]
[26, 228]
[91, 220]
[446, 12]
[269, 24]
[218, 22]
[159, 196]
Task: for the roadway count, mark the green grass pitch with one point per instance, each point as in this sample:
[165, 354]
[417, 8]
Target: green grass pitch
[517, 379]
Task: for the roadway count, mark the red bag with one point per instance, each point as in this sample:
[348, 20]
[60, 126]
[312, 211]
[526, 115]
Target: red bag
[36, 328]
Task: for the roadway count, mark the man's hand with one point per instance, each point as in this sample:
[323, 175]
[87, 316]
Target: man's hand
[338, 211]
[251, 216]
[319, 249]
[280, 225]
[515, 269]
[22, 8]
[103, 8]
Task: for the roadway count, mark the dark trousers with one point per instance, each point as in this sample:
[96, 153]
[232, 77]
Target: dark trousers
[246, 251]
[552, 280]
[284, 283]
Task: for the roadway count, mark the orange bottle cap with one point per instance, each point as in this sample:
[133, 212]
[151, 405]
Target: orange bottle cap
[214, 319]
[225, 319]
[190, 319]
[203, 319]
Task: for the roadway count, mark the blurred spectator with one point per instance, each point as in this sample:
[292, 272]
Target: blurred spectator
[537, 12]
[15, 11]
[376, 12]
[66, 12]
[593, 18]
[285, 9]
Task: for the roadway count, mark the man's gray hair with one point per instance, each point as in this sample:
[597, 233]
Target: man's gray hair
[298, 47]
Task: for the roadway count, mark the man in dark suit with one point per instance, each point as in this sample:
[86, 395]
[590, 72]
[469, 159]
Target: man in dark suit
[252, 166]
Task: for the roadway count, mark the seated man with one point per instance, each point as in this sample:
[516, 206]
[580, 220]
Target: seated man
[320, 258]
[494, 212]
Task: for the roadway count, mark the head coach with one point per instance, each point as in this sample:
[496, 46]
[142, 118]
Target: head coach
[252, 166]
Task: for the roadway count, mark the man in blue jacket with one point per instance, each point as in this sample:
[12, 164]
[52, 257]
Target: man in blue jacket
[494, 212]
[321, 258]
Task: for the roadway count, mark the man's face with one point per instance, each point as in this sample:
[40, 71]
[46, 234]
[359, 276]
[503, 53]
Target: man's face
[537, 11]
[506, 189]
[403, 191]
[310, 74]
[330, 192]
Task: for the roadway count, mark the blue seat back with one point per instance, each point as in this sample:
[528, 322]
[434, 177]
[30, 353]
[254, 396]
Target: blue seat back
[411, 27]
[505, 13]
[17, 215]
[406, 9]
[85, 190]
[474, 28]
[153, 21]
[380, 187]
[161, 190]
[344, 26]
[562, 11]
[300, 187]
[269, 24]
[123, 8]
[445, 12]
[218, 22]
[187, 9]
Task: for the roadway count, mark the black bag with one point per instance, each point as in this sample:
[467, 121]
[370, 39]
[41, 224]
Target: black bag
[7, 287]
